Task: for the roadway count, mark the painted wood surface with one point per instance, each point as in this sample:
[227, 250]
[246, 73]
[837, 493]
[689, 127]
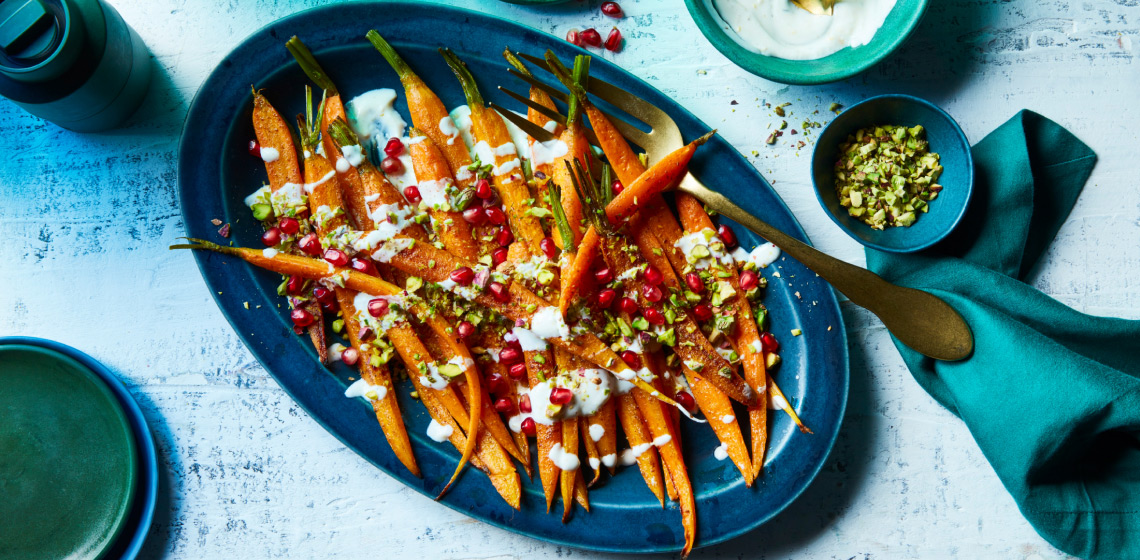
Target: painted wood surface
[85, 221]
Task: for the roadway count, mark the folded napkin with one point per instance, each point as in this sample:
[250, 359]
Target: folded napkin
[1051, 395]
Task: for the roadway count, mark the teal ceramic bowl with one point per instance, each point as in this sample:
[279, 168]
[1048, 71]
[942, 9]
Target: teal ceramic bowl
[946, 139]
[900, 23]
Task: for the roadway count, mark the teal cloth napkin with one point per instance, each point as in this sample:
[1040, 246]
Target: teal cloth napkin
[1051, 395]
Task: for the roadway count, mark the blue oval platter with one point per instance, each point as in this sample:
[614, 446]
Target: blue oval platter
[216, 173]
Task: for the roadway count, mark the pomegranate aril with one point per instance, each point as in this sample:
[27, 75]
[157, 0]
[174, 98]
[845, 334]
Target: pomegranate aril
[604, 275]
[504, 237]
[510, 355]
[350, 356]
[301, 318]
[685, 399]
[517, 371]
[365, 266]
[653, 276]
[769, 343]
[483, 189]
[631, 359]
[391, 165]
[590, 37]
[465, 329]
[336, 257]
[310, 244]
[462, 276]
[652, 293]
[614, 40]
[255, 149]
[654, 316]
[627, 305]
[495, 215]
[378, 307]
[295, 285]
[561, 395]
[499, 292]
[693, 280]
[271, 237]
[612, 9]
[549, 248]
[726, 234]
[324, 295]
[474, 216]
[606, 298]
[617, 187]
[504, 405]
[528, 427]
[748, 280]
[702, 312]
[394, 147]
[573, 36]
[289, 226]
[496, 383]
[524, 403]
[499, 256]
[412, 193]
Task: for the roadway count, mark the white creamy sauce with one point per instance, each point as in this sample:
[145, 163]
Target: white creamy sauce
[447, 127]
[609, 459]
[762, 256]
[710, 243]
[270, 155]
[336, 351]
[434, 193]
[372, 198]
[269, 252]
[363, 389]
[353, 155]
[629, 456]
[544, 153]
[461, 118]
[260, 196]
[547, 323]
[727, 418]
[777, 402]
[529, 341]
[507, 149]
[550, 126]
[391, 248]
[597, 431]
[780, 29]
[721, 452]
[342, 165]
[310, 186]
[439, 432]
[290, 195]
[662, 440]
[562, 459]
[373, 115]
[389, 219]
[595, 463]
[434, 378]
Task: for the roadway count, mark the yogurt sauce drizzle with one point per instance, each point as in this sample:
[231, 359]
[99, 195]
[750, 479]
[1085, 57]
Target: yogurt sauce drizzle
[780, 29]
[373, 116]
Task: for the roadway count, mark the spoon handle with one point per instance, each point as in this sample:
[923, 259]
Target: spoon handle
[919, 319]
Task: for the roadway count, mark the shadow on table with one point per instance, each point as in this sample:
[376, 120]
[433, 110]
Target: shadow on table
[832, 493]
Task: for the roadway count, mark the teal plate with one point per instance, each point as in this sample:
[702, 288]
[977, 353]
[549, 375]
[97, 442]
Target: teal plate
[216, 173]
[68, 465]
[900, 23]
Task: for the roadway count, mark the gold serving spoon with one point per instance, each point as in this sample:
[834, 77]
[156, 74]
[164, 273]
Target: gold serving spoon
[919, 319]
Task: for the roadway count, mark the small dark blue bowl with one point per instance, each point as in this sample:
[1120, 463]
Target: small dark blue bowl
[946, 139]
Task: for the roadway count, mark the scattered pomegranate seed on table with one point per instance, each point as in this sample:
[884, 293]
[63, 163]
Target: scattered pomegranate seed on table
[614, 41]
[590, 37]
[391, 166]
[528, 427]
[271, 237]
[301, 318]
[412, 193]
[572, 36]
[289, 226]
[394, 147]
[612, 9]
[378, 307]
[336, 257]
[462, 276]
[350, 356]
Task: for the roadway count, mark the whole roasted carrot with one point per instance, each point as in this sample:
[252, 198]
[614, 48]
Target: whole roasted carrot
[428, 113]
[433, 174]
[661, 429]
[718, 409]
[638, 437]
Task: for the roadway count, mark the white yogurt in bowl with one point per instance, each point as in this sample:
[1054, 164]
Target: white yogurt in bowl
[780, 29]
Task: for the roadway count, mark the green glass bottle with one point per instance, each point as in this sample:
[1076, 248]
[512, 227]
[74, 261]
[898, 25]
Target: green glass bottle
[75, 63]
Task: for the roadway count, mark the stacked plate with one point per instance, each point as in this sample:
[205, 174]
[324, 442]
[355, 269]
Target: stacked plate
[78, 475]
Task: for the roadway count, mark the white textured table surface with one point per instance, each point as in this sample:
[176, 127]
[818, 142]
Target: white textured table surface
[86, 219]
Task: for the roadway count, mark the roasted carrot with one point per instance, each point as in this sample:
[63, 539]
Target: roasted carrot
[569, 449]
[718, 410]
[638, 437]
[433, 173]
[591, 446]
[663, 437]
[547, 435]
[490, 133]
[428, 113]
[607, 444]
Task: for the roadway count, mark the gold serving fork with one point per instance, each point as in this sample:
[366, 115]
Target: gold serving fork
[918, 319]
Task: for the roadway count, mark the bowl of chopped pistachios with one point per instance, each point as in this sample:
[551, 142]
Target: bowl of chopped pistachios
[894, 172]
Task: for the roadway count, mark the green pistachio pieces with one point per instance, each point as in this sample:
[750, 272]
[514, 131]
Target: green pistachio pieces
[886, 175]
